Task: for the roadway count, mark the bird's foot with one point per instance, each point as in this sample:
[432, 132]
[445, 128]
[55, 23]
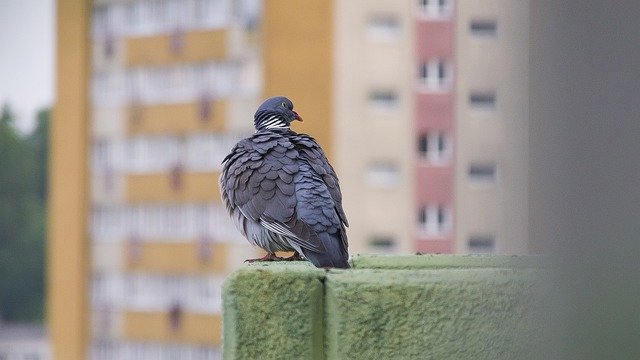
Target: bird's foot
[268, 257]
[295, 257]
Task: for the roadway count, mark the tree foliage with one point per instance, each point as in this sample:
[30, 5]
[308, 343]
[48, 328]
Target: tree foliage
[23, 179]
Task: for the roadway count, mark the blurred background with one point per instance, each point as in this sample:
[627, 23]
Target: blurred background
[455, 126]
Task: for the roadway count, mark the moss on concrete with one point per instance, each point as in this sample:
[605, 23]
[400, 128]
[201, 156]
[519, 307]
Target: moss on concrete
[444, 261]
[274, 311]
[385, 307]
[431, 314]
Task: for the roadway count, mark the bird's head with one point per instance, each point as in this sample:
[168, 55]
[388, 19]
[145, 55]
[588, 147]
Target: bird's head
[275, 113]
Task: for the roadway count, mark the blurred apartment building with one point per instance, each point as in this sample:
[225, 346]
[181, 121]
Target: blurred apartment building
[152, 94]
[491, 127]
[24, 342]
[420, 104]
[173, 86]
[432, 118]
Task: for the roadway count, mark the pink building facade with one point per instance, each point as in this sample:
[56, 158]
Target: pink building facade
[435, 131]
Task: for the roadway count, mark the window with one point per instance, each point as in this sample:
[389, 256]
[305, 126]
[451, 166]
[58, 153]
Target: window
[383, 99]
[178, 14]
[213, 13]
[441, 142]
[423, 145]
[384, 244]
[204, 294]
[481, 244]
[200, 294]
[383, 28]
[434, 147]
[100, 154]
[142, 18]
[248, 78]
[108, 89]
[106, 288]
[226, 78]
[176, 41]
[175, 222]
[103, 349]
[206, 152]
[108, 19]
[177, 84]
[436, 75]
[108, 223]
[143, 154]
[483, 173]
[436, 9]
[382, 175]
[482, 100]
[100, 22]
[483, 28]
[435, 219]
[108, 46]
[247, 13]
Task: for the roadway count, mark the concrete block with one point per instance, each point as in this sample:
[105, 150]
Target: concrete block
[445, 261]
[274, 311]
[480, 313]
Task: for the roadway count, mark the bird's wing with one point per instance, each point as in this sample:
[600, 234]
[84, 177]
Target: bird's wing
[258, 179]
[311, 151]
[316, 207]
[327, 204]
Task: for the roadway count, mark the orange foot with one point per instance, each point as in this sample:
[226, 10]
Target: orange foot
[294, 257]
[268, 257]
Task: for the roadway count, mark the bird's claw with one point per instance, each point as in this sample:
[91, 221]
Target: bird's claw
[295, 257]
[268, 257]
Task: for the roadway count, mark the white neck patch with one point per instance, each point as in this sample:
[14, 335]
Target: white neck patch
[274, 122]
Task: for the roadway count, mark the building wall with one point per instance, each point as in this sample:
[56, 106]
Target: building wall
[67, 247]
[373, 56]
[492, 207]
[298, 64]
[19, 349]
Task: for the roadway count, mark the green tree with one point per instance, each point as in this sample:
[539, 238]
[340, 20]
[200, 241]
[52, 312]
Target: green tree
[22, 218]
[39, 142]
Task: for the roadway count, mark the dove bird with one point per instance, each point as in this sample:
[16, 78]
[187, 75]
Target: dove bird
[282, 193]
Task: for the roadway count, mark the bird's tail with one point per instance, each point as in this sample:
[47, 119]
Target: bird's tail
[334, 256]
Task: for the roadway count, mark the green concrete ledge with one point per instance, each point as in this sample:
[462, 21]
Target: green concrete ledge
[445, 261]
[274, 311]
[385, 307]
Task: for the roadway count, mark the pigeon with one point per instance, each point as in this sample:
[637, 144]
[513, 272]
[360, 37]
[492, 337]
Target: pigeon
[282, 193]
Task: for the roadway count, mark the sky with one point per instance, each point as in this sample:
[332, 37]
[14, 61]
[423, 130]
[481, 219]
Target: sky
[27, 57]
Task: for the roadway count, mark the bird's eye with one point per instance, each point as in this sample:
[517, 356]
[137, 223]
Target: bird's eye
[284, 105]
